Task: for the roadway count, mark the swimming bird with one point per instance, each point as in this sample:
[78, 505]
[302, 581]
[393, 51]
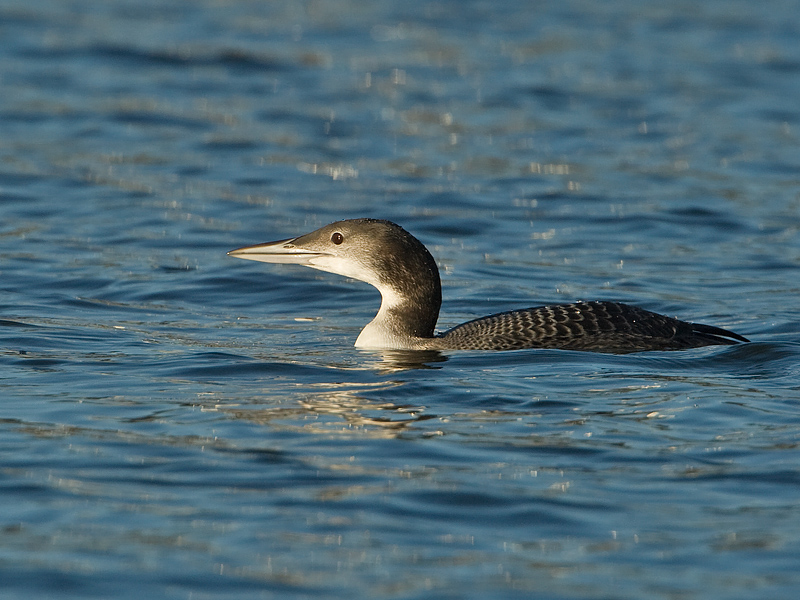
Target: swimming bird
[386, 256]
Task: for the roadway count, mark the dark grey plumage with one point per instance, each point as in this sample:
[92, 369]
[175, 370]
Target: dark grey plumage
[595, 326]
[386, 256]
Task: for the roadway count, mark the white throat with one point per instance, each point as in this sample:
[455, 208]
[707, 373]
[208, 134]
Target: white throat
[380, 333]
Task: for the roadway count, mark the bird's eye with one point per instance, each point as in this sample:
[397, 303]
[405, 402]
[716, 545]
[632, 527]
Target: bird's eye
[337, 238]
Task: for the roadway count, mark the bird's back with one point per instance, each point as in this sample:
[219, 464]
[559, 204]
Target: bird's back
[596, 326]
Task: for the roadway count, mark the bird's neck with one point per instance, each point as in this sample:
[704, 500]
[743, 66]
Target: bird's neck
[409, 311]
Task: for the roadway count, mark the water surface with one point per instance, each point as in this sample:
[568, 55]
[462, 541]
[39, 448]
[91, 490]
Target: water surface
[176, 423]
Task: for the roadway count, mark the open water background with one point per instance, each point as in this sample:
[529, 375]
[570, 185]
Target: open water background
[176, 423]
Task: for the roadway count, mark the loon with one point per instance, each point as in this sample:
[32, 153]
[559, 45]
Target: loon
[386, 256]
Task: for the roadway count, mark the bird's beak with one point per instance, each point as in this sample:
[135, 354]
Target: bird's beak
[282, 251]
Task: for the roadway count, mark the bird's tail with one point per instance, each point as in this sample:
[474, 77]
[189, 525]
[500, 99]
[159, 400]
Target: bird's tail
[717, 335]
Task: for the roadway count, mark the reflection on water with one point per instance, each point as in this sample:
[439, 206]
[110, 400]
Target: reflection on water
[388, 361]
[337, 412]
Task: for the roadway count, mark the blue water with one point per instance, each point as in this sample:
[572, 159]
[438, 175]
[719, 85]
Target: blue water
[176, 423]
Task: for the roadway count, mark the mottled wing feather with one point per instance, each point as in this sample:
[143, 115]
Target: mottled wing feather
[598, 326]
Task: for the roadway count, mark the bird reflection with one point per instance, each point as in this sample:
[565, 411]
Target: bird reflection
[337, 412]
[390, 361]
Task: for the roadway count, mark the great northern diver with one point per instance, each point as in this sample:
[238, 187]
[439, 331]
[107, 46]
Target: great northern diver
[386, 256]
